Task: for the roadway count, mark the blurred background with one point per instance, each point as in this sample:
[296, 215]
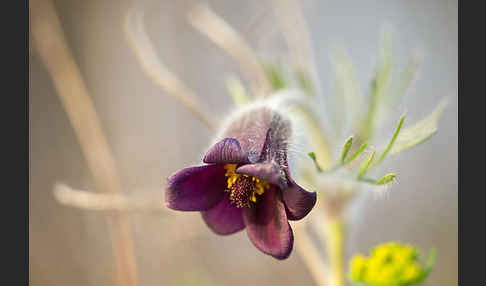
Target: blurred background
[151, 136]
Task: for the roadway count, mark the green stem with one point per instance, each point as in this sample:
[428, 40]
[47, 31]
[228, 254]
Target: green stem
[335, 242]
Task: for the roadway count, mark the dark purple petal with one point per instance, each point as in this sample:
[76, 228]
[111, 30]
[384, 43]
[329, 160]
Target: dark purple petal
[298, 202]
[226, 151]
[224, 218]
[267, 225]
[269, 172]
[196, 188]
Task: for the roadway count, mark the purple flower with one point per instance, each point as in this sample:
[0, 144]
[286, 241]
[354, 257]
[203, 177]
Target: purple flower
[246, 183]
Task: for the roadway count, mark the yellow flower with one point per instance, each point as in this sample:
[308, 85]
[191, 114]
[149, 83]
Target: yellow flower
[358, 265]
[389, 264]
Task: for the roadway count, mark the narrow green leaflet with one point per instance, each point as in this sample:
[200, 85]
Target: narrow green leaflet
[313, 157]
[390, 144]
[346, 147]
[420, 131]
[388, 178]
[364, 166]
[355, 154]
[343, 161]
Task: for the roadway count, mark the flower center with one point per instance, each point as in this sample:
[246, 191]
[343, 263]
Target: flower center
[243, 188]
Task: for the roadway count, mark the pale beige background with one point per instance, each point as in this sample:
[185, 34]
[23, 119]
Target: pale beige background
[152, 136]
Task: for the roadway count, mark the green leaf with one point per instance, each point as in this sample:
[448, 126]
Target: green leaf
[313, 157]
[364, 166]
[386, 179]
[390, 144]
[356, 153]
[237, 91]
[346, 147]
[420, 131]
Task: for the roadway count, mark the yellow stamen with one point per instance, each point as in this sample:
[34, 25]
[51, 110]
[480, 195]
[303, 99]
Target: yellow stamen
[259, 185]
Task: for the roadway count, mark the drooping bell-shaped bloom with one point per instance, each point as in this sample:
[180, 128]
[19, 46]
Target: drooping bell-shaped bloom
[246, 183]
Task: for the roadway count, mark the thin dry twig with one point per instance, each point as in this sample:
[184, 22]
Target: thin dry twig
[56, 56]
[296, 33]
[254, 26]
[144, 51]
[105, 202]
[222, 34]
[183, 227]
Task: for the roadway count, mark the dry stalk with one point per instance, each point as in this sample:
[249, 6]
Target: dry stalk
[222, 34]
[296, 33]
[106, 202]
[182, 227]
[144, 51]
[52, 47]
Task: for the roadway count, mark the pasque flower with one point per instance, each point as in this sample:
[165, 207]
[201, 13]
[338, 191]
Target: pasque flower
[246, 183]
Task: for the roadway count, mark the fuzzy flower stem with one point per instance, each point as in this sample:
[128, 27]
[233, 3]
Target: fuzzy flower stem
[310, 255]
[334, 245]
